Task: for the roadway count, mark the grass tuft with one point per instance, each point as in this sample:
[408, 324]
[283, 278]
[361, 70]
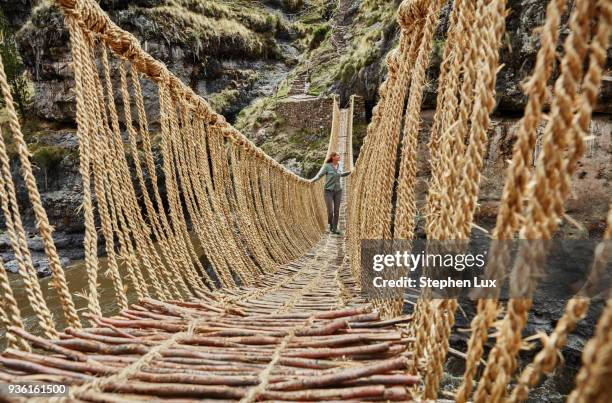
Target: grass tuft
[221, 101]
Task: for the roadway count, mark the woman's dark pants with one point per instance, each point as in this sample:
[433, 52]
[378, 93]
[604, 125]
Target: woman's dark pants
[332, 201]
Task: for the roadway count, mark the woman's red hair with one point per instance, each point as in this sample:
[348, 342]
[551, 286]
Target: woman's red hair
[331, 156]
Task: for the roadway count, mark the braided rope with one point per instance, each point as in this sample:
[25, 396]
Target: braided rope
[546, 360]
[141, 288]
[406, 205]
[447, 102]
[376, 207]
[171, 244]
[206, 196]
[241, 264]
[174, 267]
[490, 29]
[135, 233]
[405, 216]
[17, 239]
[593, 377]
[103, 180]
[515, 184]
[174, 164]
[542, 210]
[58, 279]
[452, 148]
[193, 194]
[180, 149]
[78, 47]
[131, 220]
[597, 353]
[9, 312]
[169, 125]
[437, 320]
[483, 106]
[246, 219]
[181, 128]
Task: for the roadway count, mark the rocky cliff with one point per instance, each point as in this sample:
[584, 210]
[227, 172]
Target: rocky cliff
[228, 52]
[262, 64]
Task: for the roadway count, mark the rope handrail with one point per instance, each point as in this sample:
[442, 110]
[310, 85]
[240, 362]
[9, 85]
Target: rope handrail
[457, 149]
[91, 17]
[210, 170]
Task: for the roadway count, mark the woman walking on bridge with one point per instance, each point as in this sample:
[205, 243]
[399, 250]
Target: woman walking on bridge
[333, 189]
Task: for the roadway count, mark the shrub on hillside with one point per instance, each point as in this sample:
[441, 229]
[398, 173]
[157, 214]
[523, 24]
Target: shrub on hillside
[13, 67]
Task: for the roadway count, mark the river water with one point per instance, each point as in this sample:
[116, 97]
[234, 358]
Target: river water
[76, 275]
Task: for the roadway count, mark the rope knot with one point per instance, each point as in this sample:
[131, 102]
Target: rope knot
[68, 4]
[228, 133]
[220, 120]
[392, 62]
[164, 79]
[410, 11]
[249, 146]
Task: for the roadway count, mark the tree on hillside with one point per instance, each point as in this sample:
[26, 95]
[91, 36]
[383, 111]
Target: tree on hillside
[14, 68]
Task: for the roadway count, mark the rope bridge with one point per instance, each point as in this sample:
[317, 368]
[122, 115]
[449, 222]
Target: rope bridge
[275, 311]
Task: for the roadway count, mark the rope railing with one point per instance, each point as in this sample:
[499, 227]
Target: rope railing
[382, 201]
[220, 188]
[250, 216]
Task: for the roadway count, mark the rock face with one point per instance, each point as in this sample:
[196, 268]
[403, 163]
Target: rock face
[224, 52]
[61, 193]
[517, 54]
[350, 59]
[590, 194]
[42, 43]
[16, 11]
[39, 259]
[232, 55]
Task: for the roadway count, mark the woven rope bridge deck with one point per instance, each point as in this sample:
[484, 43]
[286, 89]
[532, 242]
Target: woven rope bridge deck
[302, 334]
[291, 339]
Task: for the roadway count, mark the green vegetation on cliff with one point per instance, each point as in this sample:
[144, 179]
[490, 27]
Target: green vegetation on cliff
[314, 26]
[346, 44]
[13, 67]
[340, 41]
[302, 149]
[48, 158]
[373, 25]
[203, 27]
